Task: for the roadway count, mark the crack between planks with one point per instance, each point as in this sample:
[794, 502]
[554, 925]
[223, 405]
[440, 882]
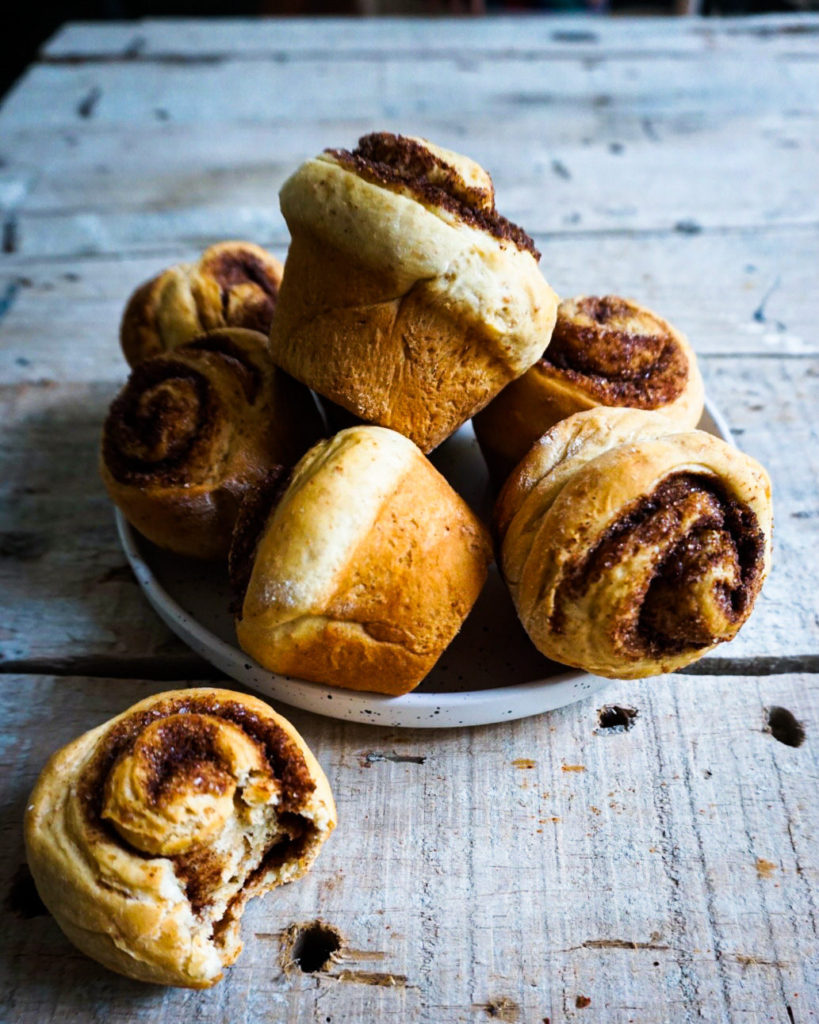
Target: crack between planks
[190, 666]
[168, 667]
[775, 665]
[572, 53]
[10, 239]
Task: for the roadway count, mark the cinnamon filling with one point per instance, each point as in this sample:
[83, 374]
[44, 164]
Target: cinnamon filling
[614, 365]
[235, 357]
[165, 412]
[399, 163]
[703, 586]
[284, 757]
[185, 760]
[256, 508]
[238, 267]
[185, 757]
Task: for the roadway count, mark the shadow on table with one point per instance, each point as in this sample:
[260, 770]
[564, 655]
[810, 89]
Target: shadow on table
[67, 588]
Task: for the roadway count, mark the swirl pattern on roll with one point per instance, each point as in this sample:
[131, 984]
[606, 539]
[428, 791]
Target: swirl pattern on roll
[147, 835]
[193, 429]
[629, 549]
[233, 284]
[604, 351]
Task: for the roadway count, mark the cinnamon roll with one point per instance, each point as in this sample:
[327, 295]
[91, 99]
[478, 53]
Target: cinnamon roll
[604, 352]
[406, 298]
[359, 570]
[233, 284]
[193, 429]
[147, 836]
[630, 549]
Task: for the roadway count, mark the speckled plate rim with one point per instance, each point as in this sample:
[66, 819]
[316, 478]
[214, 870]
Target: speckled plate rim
[442, 710]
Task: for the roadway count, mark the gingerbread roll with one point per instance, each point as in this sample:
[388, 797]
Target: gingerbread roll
[407, 299]
[630, 549]
[193, 429]
[233, 284]
[604, 352]
[147, 836]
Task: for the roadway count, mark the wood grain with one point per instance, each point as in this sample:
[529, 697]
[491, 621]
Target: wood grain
[179, 186]
[671, 876]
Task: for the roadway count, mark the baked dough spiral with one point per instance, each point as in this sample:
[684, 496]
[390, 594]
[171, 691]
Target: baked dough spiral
[233, 284]
[359, 570]
[147, 835]
[406, 298]
[193, 429]
[630, 549]
[604, 351]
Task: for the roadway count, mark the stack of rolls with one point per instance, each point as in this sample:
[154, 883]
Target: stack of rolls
[409, 305]
[631, 542]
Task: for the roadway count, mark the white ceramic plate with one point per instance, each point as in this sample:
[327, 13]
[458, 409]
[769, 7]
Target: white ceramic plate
[490, 672]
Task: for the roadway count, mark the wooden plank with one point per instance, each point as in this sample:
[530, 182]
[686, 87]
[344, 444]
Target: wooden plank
[737, 293]
[177, 188]
[559, 35]
[541, 869]
[164, 166]
[383, 91]
[66, 587]
[65, 591]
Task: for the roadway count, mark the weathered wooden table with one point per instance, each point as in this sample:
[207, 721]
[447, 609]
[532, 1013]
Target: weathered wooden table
[555, 868]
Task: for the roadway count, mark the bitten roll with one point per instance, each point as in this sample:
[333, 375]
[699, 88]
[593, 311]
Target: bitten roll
[631, 549]
[406, 298]
[360, 570]
[193, 429]
[147, 835]
[604, 351]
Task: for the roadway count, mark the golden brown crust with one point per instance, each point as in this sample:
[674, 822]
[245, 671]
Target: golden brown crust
[365, 569]
[234, 284]
[193, 429]
[630, 549]
[604, 351]
[147, 835]
[406, 299]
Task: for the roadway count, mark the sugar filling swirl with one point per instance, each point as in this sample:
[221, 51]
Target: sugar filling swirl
[695, 555]
[164, 427]
[207, 783]
[619, 354]
[403, 164]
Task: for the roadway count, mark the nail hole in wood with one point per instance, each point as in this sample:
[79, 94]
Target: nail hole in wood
[615, 718]
[503, 1009]
[314, 945]
[784, 727]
